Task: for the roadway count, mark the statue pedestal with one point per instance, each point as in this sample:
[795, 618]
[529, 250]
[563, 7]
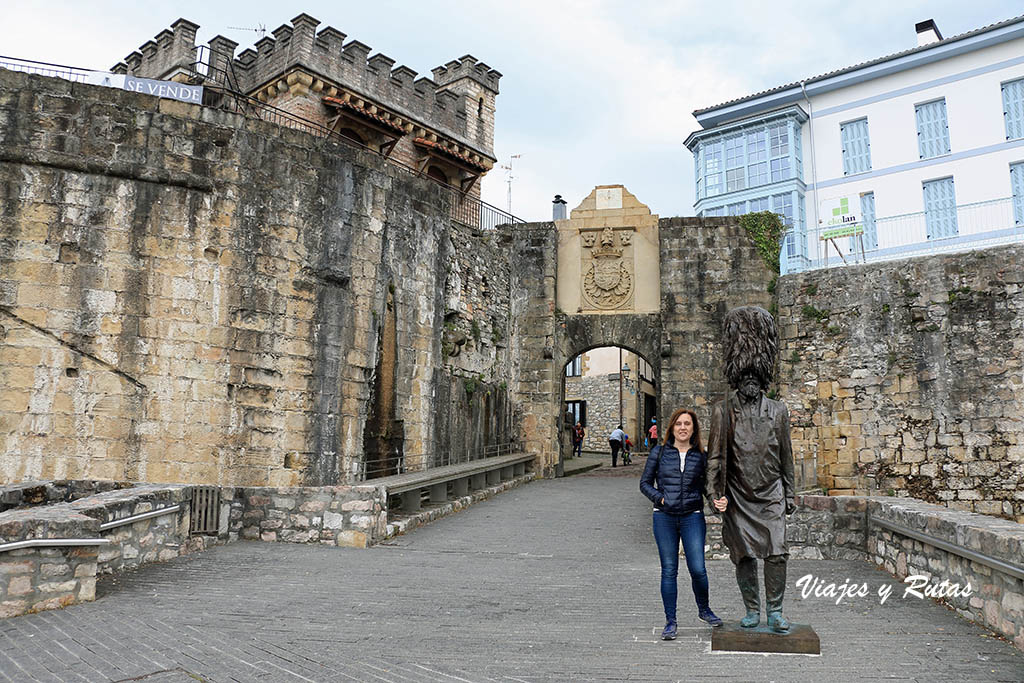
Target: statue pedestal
[731, 637]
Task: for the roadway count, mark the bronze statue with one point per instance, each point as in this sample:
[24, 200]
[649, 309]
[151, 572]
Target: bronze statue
[750, 464]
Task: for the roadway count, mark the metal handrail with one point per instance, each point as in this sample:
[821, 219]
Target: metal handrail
[51, 543]
[114, 523]
[70, 73]
[398, 465]
[973, 555]
[986, 223]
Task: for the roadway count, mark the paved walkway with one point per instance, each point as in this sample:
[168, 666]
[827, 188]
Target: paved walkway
[556, 580]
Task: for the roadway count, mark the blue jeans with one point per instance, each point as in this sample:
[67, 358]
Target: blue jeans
[668, 531]
[577, 449]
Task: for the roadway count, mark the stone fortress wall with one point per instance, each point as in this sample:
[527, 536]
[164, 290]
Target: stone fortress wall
[601, 393]
[187, 295]
[190, 296]
[908, 377]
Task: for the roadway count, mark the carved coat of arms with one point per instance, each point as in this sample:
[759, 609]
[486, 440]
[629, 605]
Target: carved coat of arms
[607, 279]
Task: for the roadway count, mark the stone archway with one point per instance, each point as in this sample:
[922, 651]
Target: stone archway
[569, 294]
[638, 334]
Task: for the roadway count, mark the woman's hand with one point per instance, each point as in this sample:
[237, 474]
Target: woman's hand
[662, 501]
[721, 503]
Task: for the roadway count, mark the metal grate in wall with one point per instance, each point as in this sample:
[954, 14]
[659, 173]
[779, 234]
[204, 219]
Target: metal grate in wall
[205, 510]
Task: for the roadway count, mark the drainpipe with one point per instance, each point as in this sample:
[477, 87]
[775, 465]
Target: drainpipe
[814, 164]
[620, 385]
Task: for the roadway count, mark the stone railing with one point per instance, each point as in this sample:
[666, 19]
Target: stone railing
[143, 524]
[911, 538]
[48, 559]
[942, 546]
[54, 543]
[29, 493]
[50, 555]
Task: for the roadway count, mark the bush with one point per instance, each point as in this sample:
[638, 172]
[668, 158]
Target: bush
[766, 229]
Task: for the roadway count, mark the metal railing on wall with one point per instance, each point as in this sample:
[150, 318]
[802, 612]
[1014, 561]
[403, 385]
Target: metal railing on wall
[398, 464]
[68, 73]
[463, 208]
[806, 473]
[969, 226]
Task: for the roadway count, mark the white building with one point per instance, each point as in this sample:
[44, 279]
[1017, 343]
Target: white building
[923, 150]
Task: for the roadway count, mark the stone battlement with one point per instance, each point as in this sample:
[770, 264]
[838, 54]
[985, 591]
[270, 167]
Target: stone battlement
[170, 51]
[329, 63]
[467, 66]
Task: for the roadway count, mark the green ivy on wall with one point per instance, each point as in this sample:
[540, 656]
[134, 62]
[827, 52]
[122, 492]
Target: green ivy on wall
[766, 229]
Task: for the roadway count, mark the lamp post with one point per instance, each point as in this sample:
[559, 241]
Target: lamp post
[623, 378]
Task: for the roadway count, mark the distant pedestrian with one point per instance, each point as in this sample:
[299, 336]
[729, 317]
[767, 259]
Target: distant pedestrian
[627, 450]
[578, 434]
[615, 440]
[652, 433]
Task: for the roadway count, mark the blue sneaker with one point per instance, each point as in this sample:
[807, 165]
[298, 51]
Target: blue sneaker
[670, 631]
[710, 617]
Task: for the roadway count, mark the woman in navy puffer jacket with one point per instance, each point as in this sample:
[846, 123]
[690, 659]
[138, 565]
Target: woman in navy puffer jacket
[674, 481]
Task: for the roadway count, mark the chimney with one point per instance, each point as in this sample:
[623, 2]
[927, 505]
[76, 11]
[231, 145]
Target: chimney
[558, 208]
[927, 32]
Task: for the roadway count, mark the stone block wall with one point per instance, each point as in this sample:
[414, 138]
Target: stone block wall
[997, 596]
[708, 266]
[602, 395]
[42, 578]
[187, 295]
[906, 377]
[828, 528]
[353, 516]
[532, 322]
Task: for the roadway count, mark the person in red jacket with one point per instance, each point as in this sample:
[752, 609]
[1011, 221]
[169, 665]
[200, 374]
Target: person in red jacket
[578, 434]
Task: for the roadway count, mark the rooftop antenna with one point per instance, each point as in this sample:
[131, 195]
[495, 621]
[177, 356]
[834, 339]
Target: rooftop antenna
[509, 177]
[261, 29]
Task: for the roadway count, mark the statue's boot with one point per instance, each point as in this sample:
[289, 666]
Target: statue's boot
[774, 589]
[746, 577]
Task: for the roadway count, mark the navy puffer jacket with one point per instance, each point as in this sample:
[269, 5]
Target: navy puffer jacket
[681, 487]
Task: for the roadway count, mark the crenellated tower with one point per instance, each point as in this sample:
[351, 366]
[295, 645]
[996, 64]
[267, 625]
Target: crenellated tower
[476, 85]
[443, 127]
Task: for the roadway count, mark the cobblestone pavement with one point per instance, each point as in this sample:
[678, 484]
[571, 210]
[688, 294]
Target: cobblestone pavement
[557, 580]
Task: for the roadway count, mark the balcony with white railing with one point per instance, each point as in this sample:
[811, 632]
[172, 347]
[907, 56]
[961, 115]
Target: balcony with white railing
[960, 228]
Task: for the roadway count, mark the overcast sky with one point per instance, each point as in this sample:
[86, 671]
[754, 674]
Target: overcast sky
[592, 93]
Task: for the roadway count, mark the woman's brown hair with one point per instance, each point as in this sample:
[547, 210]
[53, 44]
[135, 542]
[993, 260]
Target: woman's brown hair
[694, 438]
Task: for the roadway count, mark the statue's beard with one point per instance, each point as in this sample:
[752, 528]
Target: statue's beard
[749, 390]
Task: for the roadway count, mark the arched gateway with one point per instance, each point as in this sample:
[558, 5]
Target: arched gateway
[613, 274]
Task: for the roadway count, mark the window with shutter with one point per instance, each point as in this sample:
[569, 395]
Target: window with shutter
[1017, 183]
[870, 236]
[1013, 108]
[856, 146]
[932, 129]
[939, 208]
